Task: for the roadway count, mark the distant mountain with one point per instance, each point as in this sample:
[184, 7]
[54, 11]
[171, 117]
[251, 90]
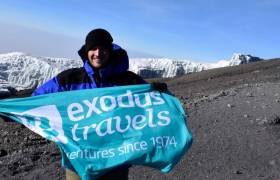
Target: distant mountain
[22, 71]
[243, 59]
[160, 67]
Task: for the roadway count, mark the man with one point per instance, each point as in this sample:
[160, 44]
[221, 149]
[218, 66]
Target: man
[105, 65]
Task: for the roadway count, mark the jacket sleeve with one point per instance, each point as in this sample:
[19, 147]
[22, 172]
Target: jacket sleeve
[51, 86]
[139, 79]
[127, 78]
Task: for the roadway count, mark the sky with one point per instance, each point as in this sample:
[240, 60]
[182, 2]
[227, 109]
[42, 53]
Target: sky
[198, 30]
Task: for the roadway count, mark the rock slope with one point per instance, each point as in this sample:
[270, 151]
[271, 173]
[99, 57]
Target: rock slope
[234, 116]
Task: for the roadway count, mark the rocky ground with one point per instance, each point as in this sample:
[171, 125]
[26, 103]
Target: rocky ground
[233, 113]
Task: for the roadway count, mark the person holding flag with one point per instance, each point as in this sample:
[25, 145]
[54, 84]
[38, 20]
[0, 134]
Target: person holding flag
[105, 65]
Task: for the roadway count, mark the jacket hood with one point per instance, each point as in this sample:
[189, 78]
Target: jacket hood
[82, 53]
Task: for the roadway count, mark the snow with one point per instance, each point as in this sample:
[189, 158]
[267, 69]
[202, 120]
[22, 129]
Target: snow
[162, 67]
[24, 71]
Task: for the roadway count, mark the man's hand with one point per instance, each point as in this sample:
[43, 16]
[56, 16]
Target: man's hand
[161, 87]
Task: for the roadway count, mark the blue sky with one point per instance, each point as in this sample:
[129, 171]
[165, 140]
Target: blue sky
[200, 30]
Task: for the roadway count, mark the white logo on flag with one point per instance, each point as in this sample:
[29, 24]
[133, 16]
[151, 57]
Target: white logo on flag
[46, 121]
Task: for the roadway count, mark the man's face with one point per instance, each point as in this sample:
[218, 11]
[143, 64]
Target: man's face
[98, 57]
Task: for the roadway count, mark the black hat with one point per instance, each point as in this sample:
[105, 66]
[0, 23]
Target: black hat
[98, 37]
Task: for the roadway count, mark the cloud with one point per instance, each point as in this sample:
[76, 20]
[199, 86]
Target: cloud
[37, 42]
[16, 38]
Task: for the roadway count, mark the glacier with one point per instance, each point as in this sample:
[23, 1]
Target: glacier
[21, 71]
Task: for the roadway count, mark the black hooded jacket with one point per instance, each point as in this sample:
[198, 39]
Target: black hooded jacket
[114, 74]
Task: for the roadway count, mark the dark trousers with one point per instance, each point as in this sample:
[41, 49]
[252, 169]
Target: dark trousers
[118, 173]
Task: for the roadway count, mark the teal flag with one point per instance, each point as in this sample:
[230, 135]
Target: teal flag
[99, 129]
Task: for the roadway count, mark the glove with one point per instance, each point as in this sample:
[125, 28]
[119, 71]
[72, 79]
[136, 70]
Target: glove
[161, 87]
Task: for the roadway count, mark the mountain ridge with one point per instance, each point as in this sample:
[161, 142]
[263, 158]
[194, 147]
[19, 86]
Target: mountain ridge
[24, 71]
